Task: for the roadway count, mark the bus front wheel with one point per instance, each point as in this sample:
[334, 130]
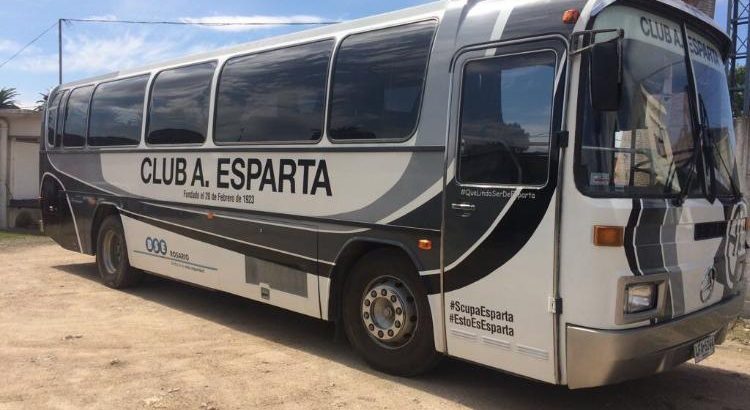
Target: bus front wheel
[112, 256]
[387, 316]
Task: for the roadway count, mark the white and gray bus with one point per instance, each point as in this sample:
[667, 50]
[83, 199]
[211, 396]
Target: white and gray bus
[544, 187]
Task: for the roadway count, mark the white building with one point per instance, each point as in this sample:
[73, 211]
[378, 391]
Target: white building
[19, 167]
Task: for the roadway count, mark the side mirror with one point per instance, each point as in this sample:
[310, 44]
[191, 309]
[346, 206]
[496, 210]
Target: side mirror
[605, 73]
[605, 68]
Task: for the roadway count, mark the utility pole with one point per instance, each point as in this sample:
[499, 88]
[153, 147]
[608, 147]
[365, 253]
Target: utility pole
[59, 51]
[737, 27]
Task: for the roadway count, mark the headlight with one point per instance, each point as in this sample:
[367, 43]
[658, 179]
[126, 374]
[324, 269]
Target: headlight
[640, 297]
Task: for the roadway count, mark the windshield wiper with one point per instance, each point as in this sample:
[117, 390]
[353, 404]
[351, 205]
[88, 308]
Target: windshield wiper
[685, 189]
[704, 114]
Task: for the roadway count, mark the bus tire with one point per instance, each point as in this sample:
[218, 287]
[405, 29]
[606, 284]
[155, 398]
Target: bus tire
[386, 315]
[112, 256]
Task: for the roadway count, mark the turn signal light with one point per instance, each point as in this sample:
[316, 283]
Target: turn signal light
[210, 215]
[747, 224]
[571, 16]
[609, 235]
[424, 244]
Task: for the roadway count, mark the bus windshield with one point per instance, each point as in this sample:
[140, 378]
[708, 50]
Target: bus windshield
[647, 147]
[716, 113]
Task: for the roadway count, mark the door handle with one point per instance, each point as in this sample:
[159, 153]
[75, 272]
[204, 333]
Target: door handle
[464, 207]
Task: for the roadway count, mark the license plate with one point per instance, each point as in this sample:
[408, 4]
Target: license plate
[703, 348]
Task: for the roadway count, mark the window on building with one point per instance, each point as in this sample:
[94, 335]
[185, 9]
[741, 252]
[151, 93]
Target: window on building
[76, 117]
[117, 112]
[506, 115]
[178, 111]
[377, 83]
[275, 96]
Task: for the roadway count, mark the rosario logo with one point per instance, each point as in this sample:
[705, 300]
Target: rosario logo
[156, 245]
[707, 285]
[735, 245]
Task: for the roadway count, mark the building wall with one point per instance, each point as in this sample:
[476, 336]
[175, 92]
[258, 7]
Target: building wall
[19, 169]
[707, 6]
[742, 131]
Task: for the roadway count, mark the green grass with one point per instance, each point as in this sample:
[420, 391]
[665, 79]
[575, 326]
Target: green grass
[20, 238]
[10, 236]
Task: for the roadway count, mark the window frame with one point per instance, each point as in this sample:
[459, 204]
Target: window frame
[149, 76]
[215, 95]
[459, 117]
[211, 100]
[331, 78]
[65, 117]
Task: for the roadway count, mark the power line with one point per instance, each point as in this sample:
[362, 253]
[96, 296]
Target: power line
[216, 24]
[28, 44]
[167, 22]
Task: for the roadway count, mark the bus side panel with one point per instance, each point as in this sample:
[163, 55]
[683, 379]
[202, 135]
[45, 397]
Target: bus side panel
[180, 257]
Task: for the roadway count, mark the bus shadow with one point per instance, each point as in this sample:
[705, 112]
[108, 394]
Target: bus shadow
[687, 387]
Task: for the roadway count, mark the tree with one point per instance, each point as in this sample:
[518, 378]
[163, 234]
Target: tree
[738, 97]
[42, 101]
[8, 98]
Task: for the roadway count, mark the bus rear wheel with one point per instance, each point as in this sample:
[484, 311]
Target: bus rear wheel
[112, 256]
[386, 314]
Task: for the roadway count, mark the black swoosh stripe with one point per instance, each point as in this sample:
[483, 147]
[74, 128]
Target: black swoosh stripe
[506, 240]
[305, 265]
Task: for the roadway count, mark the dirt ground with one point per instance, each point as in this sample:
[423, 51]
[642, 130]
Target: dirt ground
[66, 341]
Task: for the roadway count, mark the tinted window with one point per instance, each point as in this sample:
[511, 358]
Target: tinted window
[274, 96]
[506, 112]
[52, 118]
[61, 117]
[117, 112]
[178, 113]
[76, 117]
[377, 83]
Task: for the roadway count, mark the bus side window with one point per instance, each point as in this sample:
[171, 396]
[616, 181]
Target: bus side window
[506, 116]
[61, 118]
[275, 96]
[76, 117]
[117, 112]
[52, 118]
[178, 108]
[377, 83]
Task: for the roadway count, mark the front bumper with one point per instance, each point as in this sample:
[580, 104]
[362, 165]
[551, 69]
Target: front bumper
[598, 357]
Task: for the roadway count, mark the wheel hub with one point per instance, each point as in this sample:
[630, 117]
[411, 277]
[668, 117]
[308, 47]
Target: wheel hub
[113, 251]
[389, 312]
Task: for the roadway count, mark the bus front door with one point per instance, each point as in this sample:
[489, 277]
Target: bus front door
[500, 216]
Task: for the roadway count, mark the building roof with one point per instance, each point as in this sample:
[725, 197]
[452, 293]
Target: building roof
[18, 112]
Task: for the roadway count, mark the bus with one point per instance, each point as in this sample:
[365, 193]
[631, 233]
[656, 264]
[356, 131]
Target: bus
[547, 188]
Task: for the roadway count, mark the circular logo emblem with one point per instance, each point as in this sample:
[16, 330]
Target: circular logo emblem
[735, 245]
[707, 284]
[156, 245]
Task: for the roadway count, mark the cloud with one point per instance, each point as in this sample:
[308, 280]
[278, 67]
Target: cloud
[105, 17]
[8, 46]
[248, 23]
[86, 55]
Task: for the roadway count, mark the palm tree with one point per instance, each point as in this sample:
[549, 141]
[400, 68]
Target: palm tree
[41, 101]
[8, 97]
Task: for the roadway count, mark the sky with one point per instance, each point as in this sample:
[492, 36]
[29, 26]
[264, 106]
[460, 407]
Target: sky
[97, 48]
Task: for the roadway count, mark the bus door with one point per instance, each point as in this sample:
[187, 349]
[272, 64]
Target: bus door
[501, 177]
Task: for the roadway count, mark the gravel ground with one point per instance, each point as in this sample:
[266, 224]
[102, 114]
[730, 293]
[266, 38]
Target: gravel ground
[66, 341]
